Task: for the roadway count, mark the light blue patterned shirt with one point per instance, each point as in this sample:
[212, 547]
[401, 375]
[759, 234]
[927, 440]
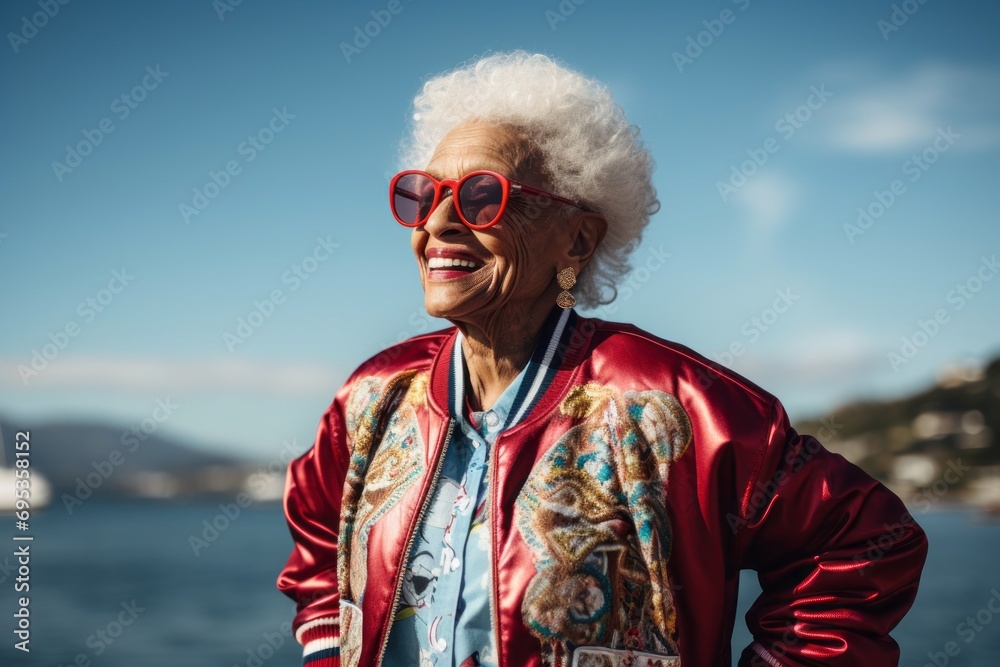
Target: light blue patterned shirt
[443, 618]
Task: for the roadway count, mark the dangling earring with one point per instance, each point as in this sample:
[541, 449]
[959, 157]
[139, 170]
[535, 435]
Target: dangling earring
[566, 279]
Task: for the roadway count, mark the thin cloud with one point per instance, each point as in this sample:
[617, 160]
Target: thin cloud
[884, 113]
[821, 357]
[768, 200]
[158, 375]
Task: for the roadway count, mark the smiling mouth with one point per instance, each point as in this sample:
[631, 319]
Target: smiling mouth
[451, 264]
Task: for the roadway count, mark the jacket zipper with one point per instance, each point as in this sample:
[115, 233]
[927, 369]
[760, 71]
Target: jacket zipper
[493, 547]
[409, 543]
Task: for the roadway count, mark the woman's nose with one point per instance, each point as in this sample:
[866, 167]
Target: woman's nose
[444, 219]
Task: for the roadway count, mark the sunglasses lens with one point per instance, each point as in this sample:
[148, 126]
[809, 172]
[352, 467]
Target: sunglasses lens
[481, 197]
[412, 197]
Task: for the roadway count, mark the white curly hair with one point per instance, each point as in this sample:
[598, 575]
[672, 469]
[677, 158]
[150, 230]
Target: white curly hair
[589, 150]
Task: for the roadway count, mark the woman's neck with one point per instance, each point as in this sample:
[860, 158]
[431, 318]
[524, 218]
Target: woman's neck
[496, 350]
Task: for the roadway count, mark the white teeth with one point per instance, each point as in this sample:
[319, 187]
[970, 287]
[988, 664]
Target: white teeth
[445, 262]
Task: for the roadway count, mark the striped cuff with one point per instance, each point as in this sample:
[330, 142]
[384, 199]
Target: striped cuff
[765, 655]
[320, 639]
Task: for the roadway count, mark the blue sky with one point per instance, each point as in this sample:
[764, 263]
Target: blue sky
[833, 110]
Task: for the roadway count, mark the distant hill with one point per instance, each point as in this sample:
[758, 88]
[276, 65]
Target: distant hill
[911, 442]
[65, 452]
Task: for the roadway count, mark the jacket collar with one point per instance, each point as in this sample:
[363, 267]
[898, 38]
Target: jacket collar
[562, 342]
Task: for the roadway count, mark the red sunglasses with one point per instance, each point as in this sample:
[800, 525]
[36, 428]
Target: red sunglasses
[480, 197]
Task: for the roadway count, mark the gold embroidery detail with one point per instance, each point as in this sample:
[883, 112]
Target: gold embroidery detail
[373, 488]
[594, 513]
[583, 399]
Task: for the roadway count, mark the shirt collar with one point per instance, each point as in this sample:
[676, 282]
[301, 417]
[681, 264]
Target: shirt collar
[484, 422]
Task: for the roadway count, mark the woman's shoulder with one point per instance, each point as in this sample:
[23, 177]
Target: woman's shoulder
[637, 351]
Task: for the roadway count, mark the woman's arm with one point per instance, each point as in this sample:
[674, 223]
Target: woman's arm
[313, 491]
[837, 554]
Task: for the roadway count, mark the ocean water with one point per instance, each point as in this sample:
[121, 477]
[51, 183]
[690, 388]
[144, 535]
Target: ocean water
[121, 585]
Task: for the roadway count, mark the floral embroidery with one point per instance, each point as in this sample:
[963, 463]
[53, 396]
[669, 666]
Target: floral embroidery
[593, 513]
[396, 463]
[351, 621]
[361, 405]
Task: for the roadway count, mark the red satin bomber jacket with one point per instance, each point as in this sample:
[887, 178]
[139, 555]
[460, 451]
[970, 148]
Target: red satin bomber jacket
[623, 508]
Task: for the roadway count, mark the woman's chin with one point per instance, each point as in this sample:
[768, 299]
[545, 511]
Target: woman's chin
[447, 303]
[452, 292]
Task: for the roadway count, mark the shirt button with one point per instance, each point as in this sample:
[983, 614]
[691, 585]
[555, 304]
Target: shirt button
[492, 419]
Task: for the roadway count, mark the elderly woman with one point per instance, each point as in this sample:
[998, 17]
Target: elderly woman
[534, 487]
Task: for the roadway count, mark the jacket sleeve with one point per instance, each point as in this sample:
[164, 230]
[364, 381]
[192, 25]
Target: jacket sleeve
[313, 489]
[837, 555]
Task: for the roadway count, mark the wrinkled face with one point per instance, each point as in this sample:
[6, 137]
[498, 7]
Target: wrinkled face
[509, 265]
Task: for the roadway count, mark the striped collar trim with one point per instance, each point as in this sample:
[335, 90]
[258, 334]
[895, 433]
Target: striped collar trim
[553, 340]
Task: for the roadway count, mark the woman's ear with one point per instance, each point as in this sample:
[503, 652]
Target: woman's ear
[590, 230]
